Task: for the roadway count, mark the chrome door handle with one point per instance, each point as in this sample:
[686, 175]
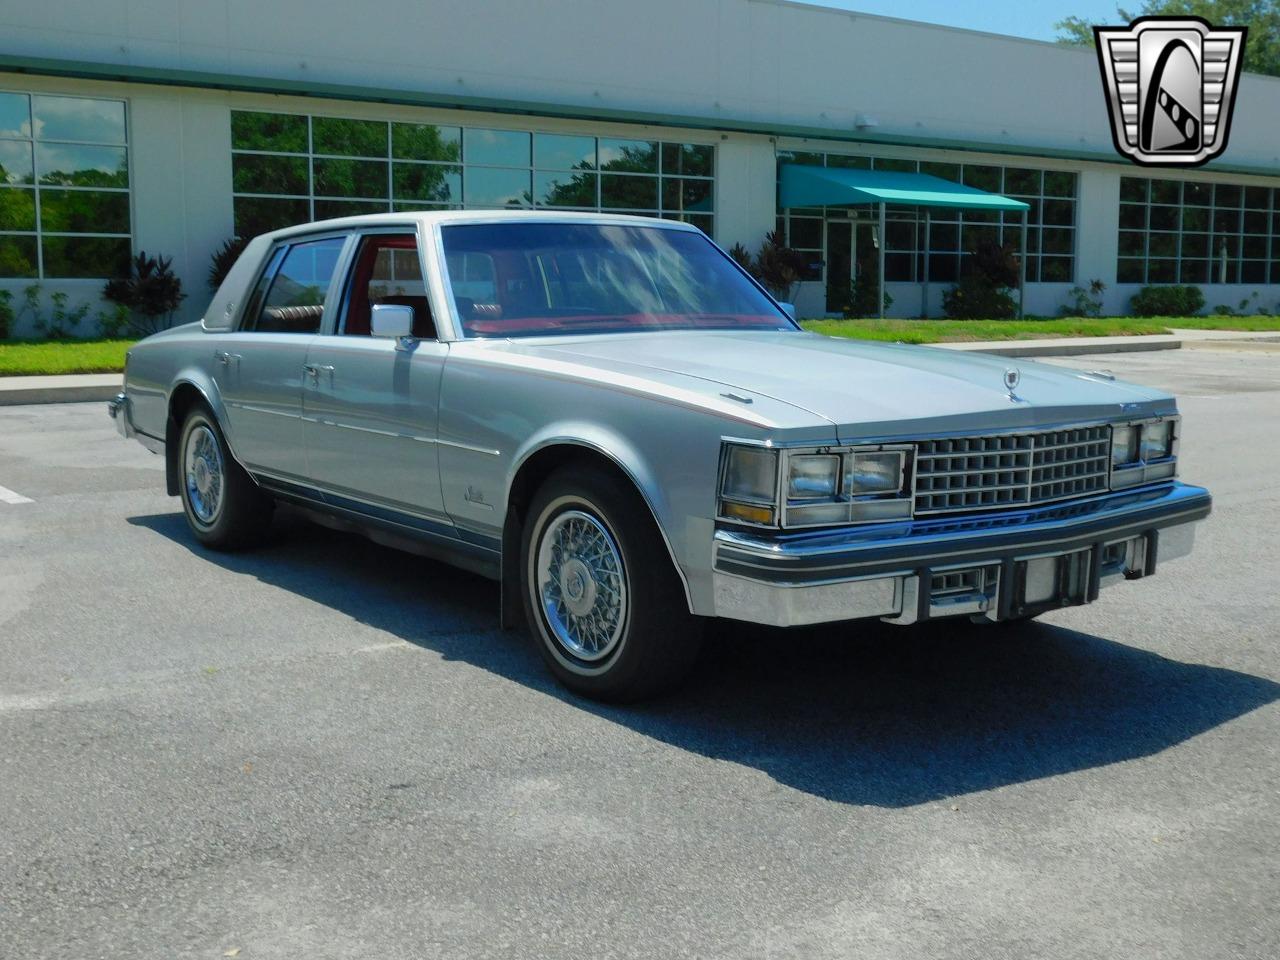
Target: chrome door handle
[313, 370]
[226, 358]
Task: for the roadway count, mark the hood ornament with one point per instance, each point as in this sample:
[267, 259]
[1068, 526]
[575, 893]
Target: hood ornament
[1012, 377]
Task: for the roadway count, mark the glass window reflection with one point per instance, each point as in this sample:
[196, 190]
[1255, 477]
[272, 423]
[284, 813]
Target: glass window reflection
[77, 118]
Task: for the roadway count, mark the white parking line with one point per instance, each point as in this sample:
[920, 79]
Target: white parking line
[8, 496]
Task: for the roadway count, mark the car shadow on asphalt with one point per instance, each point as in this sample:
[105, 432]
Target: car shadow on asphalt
[859, 713]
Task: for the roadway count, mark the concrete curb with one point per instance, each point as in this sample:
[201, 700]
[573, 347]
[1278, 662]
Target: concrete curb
[1068, 348]
[63, 389]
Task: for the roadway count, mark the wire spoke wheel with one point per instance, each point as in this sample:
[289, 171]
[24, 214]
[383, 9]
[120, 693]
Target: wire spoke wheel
[582, 585]
[204, 473]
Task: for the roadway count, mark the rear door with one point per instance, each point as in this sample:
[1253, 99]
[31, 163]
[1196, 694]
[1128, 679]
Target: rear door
[259, 369]
[369, 404]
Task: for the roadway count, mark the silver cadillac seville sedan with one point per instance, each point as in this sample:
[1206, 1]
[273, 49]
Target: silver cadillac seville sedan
[610, 417]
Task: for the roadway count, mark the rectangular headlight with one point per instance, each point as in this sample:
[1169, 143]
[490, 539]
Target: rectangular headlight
[750, 475]
[870, 473]
[1124, 445]
[812, 476]
[1157, 439]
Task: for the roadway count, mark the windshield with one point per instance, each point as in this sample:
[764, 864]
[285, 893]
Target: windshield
[536, 279]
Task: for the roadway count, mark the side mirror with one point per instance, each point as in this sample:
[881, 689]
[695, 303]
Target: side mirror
[789, 309]
[391, 320]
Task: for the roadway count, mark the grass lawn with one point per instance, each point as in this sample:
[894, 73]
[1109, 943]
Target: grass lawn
[1260, 324]
[952, 331]
[35, 358]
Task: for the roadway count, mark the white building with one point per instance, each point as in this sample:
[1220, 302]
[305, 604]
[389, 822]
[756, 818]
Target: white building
[171, 125]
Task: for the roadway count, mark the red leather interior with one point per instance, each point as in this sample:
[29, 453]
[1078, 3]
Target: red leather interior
[359, 308]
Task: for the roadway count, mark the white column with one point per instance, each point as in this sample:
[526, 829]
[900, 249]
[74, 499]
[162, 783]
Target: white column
[1097, 234]
[746, 195]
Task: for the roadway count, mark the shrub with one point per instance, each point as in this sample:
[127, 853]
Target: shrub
[151, 294]
[1084, 301]
[1171, 300]
[776, 266]
[6, 314]
[223, 259]
[862, 296]
[983, 292]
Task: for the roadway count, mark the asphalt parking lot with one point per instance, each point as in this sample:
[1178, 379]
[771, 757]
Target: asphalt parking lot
[328, 749]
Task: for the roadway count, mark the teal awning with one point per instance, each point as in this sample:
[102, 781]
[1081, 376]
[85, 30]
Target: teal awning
[805, 186]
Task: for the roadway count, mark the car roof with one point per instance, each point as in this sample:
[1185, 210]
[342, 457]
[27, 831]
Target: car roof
[430, 218]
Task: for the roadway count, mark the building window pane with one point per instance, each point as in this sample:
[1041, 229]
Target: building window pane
[15, 115]
[1195, 245]
[77, 118]
[1058, 213]
[848, 163]
[427, 181]
[1132, 243]
[84, 211]
[15, 162]
[628, 193]
[257, 215]
[1059, 184]
[276, 132]
[1133, 189]
[893, 165]
[17, 256]
[332, 209]
[1195, 218]
[89, 257]
[500, 148]
[1018, 182]
[424, 141]
[565, 189]
[629, 156]
[1253, 271]
[944, 171]
[489, 187]
[1055, 269]
[349, 138]
[686, 196]
[17, 209]
[1195, 194]
[350, 178]
[79, 165]
[703, 222]
[557, 152]
[689, 159]
[255, 173]
[1132, 217]
[1130, 271]
[1165, 191]
[1194, 271]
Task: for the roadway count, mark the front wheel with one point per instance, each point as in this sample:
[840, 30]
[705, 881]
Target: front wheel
[600, 593]
[224, 507]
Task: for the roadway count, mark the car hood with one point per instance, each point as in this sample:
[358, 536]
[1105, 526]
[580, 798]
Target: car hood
[870, 389]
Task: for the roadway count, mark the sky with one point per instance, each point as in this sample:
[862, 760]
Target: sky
[1019, 18]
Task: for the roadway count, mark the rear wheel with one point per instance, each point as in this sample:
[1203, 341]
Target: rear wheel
[601, 596]
[224, 507]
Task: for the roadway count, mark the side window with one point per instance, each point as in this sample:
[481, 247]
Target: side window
[294, 300]
[388, 270]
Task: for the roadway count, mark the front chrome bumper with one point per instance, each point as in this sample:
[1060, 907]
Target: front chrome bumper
[995, 566]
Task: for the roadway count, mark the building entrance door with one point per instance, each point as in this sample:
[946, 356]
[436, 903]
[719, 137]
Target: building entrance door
[852, 251]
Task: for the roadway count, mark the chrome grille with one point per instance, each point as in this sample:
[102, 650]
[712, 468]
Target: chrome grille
[983, 473]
